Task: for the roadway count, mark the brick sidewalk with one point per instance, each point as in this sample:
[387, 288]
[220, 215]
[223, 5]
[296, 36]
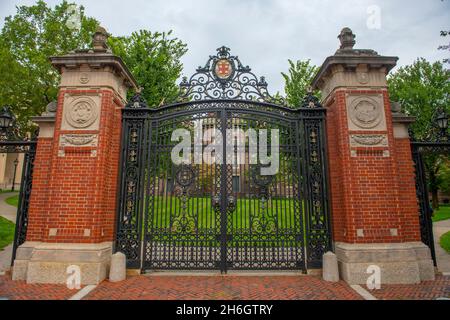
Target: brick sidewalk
[224, 288]
[19, 290]
[428, 290]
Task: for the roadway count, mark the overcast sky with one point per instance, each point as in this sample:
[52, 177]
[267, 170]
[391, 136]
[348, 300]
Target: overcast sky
[265, 33]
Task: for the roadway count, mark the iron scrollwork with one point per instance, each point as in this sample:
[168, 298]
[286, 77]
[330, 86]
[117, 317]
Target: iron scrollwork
[183, 221]
[318, 231]
[225, 77]
[129, 222]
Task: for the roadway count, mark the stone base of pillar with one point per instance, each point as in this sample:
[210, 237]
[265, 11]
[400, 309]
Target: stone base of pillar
[38, 262]
[400, 263]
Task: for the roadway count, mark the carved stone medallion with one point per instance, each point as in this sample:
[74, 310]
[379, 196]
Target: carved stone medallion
[366, 112]
[82, 113]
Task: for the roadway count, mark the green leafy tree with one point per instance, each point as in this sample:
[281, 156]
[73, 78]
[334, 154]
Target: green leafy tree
[28, 38]
[298, 81]
[36, 32]
[154, 60]
[444, 176]
[422, 88]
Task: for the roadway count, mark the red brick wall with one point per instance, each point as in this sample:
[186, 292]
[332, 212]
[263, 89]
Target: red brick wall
[369, 192]
[37, 213]
[407, 186]
[77, 191]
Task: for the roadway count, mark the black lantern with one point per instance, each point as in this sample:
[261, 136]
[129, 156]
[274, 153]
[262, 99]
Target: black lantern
[6, 118]
[442, 120]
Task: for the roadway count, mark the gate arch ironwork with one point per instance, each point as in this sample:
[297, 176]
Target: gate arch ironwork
[223, 214]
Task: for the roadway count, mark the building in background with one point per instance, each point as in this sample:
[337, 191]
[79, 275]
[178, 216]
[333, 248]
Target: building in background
[10, 170]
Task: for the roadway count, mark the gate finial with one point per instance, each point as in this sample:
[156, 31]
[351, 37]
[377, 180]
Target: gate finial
[99, 40]
[347, 39]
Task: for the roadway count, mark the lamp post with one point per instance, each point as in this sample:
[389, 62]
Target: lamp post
[442, 123]
[7, 120]
[16, 162]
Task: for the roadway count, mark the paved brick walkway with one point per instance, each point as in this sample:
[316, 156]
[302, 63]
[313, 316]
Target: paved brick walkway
[224, 288]
[19, 290]
[428, 290]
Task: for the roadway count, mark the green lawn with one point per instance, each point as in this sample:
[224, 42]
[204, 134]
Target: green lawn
[6, 232]
[13, 201]
[7, 227]
[442, 214]
[167, 211]
[445, 242]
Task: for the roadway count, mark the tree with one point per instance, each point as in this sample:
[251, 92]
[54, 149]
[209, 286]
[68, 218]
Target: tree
[422, 88]
[298, 81]
[444, 176]
[28, 38]
[34, 33]
[154, 60]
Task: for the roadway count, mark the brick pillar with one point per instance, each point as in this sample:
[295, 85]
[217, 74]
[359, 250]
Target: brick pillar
[73, 200]
[373, 197]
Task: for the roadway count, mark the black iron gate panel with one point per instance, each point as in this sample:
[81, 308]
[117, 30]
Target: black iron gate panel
[264, 213]
[425, 208]
[218, 211]
[10, 143]
[182, 222]
[219, 207]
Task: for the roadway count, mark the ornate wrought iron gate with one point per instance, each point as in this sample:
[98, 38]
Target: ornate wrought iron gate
[437, 143]
[425, 209]
[218, 210]
[11, 142]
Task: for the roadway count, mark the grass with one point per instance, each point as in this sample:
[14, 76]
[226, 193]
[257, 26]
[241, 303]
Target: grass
[13, 201]
[278, 226]
[445, 242]
[442, 214]
[6, 232]
[167, 210]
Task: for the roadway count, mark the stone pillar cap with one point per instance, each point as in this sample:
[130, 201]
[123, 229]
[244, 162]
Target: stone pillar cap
[94, 60]
[349, 57]
[98, 57]
[49, 115]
